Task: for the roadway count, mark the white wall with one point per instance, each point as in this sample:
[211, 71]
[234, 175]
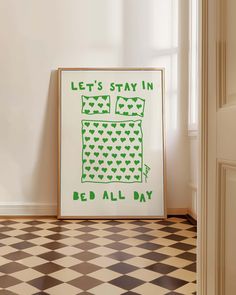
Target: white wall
[39, 36]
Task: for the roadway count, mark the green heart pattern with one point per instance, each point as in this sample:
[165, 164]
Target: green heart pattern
[130, 106]
[112, 151]
[93, 105]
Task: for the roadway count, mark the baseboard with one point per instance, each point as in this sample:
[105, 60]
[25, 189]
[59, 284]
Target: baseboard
[28, 209]
[177, 211]
[34, 209]
[191, 219]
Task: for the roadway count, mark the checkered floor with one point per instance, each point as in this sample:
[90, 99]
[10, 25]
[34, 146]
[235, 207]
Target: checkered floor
[48, 256]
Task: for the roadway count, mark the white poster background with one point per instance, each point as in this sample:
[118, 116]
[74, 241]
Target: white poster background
[71, 145]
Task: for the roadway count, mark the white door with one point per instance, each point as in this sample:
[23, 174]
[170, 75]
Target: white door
[220, 217]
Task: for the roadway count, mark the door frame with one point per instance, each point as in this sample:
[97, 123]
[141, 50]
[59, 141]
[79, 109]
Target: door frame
[203, 155]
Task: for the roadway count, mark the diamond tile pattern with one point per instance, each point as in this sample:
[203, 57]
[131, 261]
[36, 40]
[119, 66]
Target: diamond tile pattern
[49, 256]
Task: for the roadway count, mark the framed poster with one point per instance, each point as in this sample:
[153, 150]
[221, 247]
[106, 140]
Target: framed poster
[111, 143]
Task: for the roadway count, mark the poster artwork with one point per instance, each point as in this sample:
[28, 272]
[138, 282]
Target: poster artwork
[109, 117]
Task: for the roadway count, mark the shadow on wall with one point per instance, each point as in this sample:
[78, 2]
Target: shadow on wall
[44, 178]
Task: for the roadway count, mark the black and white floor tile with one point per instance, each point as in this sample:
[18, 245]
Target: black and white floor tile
[129, 257]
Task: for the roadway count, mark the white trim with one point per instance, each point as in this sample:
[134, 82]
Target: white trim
[24, 209]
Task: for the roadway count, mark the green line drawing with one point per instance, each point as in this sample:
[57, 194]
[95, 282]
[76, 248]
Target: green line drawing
[130, 106]
[112, 151]
[93, 105]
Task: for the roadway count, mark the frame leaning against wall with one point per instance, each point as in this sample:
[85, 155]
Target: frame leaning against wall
[59, 215]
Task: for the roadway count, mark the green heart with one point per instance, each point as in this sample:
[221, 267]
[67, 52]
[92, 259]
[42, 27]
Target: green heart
[105, 125]
[84, 176]
[83, 104]
[140, 139]
[118, 132]
[136, 132]
[127, 147]
[105, 97]
[118, 147]
[123, 139]
[118, 177]
[105, 140]
[134, 99]
[96, 154]
[122, 125]
[127, 132]
[136, 147]
[91, 176]
[100, 162]
[91, 104]
[101, 176]
[140, 169]
[130, 106]
[96, 124]
[84, 146]
[114, 155]
[84, 160]
[87, 138]
[96, 168]
[114, 170]
[87, 153]
[105, 154]
[131, 169]
[87, 168]
[118, 162]
[109, 148]
[132, 139]
[100, 132]
[139, 106]
[140, 155]
[136, 177]
[109, 177]
[104, 170]
[121, 105]
[91, 146]
[109, 162]
[127, 162]
[96, 139]
[113, 125]
[114, 139]
[122, 169]
[136, 162]
[87, 124]
[100, 105]
[91, 161]
[100, 147]
[83, 131]
[127, 177]
[132, 155]
[123, 155]
[131, 125]
[109, 132]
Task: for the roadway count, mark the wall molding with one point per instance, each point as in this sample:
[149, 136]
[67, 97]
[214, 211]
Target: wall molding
[27, 209]
[46, 209]
[177, 211]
